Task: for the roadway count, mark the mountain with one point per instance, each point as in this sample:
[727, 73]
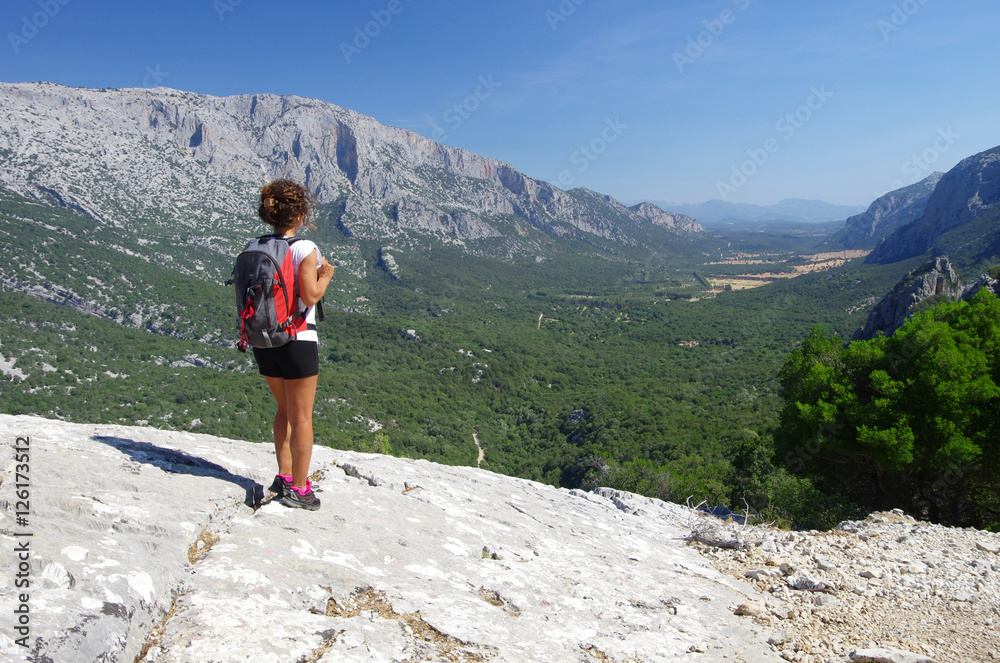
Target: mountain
[790, 209]
[968, 192]
[148, 159]
[884, 216]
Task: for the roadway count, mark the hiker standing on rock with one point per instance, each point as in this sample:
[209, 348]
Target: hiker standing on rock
[291, 369]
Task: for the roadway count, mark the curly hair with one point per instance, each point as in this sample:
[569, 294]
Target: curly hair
[282, 202]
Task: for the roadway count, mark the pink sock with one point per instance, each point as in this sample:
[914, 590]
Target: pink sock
[303, 491]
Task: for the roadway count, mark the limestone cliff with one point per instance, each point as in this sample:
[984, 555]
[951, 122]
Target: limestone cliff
[658, 216]
[964, 193]
[884, 216]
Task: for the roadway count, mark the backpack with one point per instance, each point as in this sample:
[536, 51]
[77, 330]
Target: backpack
[267, 293]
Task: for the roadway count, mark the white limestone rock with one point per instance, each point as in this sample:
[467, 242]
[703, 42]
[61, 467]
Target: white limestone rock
[145, 540]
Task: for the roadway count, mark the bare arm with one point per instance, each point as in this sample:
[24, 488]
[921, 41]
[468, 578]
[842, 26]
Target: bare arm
[313, 279]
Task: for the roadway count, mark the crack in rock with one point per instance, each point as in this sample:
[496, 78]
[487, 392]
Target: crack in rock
[329, 639]
[447, 647]
[494, 598]
[156, 633]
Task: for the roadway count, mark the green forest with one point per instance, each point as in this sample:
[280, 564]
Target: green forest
[577, 370]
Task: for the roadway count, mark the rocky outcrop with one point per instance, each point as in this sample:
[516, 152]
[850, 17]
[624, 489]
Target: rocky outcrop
[163, 547]
[937, 278]
[986, 281]
[160, 155]
[884, 216]
[964, 193]
[657, 216]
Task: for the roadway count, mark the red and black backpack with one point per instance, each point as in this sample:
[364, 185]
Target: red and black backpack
[267, 293]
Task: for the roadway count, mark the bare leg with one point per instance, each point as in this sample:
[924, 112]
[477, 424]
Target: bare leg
[300, 395]
[282, 428]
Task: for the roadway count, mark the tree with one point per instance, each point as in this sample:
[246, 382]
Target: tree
[906, 421]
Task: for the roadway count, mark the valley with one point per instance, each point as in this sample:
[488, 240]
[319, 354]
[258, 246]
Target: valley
[544, 363]
[575, 340]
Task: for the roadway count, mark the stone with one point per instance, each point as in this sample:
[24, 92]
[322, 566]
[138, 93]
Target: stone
[805, 583]
[751, 609]
[824, 564]
[887, 655]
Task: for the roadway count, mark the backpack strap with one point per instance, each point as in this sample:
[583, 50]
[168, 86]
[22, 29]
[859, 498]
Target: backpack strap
[320, 317]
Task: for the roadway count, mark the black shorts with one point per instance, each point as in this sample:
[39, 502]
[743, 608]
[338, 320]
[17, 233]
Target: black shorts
[298, 359]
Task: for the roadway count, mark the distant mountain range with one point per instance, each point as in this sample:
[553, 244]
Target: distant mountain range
[791, 209]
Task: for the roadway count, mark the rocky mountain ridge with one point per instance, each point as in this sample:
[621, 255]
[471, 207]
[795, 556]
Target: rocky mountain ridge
[964, 193]
[884, 216]
[161, 157]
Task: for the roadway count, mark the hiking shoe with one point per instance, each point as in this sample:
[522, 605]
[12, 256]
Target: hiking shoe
[297, 500]
[280, 486]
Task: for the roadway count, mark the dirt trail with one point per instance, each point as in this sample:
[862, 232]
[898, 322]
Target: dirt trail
[482, 455]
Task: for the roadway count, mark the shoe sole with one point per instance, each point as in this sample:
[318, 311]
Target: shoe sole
[295, 504]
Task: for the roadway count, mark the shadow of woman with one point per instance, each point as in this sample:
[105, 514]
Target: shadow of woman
[178, 462]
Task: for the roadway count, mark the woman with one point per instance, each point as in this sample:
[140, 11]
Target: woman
[292, 370]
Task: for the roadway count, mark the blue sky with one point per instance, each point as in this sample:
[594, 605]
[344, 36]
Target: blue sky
[745, 100]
